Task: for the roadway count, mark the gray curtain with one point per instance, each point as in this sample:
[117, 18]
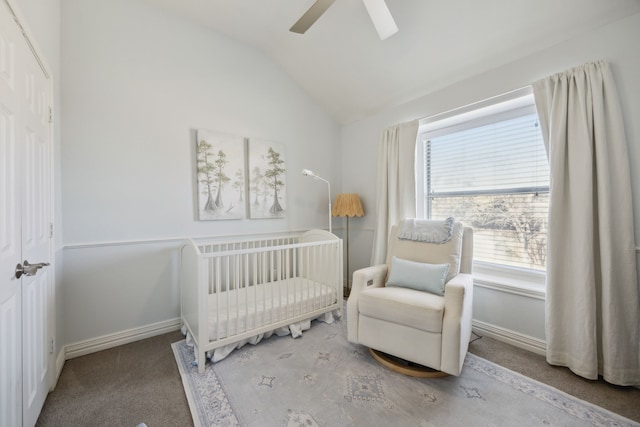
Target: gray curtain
[592, 300]
[395, 183]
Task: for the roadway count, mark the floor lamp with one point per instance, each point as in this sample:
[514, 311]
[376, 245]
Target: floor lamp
[347, 205]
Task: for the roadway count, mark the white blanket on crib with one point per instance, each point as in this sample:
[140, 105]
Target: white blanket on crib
[258, 306]
[261, 305]
[237, 311]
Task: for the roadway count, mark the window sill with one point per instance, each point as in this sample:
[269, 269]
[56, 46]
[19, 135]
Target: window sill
[514, 281]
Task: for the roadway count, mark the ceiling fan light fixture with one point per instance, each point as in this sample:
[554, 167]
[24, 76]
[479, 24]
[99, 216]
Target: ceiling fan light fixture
[381, 18]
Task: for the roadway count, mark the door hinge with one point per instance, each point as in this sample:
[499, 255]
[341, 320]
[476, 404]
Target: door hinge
[50, 115]
[51, 230]
[51, 346]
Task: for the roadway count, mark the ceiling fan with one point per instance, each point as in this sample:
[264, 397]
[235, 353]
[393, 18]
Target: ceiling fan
[378, 11]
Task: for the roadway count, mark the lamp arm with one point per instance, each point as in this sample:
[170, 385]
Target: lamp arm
[329, 189]
[307, 172]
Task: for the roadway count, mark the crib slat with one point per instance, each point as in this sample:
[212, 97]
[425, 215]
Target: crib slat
[278, 278]
[218, 295]
[245, 264]
[317, 254]
[227, 294]
[237, 289]
[287, 280]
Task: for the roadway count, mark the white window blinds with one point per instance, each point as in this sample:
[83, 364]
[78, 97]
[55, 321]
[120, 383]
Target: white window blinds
[492, 173]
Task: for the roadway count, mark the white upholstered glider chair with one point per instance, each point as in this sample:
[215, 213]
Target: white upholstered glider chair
[417, 306]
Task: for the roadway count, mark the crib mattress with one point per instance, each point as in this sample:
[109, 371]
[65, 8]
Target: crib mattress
[241, 310]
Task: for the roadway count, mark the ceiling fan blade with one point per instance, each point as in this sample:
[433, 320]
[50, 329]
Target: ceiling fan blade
[315, 11]
[381, 18]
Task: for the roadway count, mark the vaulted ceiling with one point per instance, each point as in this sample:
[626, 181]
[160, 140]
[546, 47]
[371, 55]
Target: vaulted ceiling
[343, 64]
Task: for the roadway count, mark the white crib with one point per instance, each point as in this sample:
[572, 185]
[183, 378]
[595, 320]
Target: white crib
[237, 290]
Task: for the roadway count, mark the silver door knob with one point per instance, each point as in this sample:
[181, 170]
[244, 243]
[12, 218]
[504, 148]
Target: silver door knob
[29, 269]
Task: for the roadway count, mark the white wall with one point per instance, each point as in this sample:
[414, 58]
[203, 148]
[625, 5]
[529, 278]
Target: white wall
[136, 83]
[616, 43]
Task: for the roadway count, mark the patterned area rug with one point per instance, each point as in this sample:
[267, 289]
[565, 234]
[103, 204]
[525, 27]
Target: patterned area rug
[320, 379]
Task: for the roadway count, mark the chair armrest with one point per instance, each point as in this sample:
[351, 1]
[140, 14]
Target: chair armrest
[373, 276]
[456, 325]
[369, 277]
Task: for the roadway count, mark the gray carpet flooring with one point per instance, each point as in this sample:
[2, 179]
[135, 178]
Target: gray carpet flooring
[139, 382]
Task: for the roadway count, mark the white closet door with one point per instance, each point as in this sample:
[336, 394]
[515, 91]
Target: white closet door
[10, 226]
[25, 216]
[36, 220]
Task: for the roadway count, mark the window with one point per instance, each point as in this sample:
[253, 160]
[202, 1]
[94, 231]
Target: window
[487, 167]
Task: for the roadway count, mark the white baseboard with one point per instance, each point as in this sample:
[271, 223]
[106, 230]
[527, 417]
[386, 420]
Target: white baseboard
[59, 365]
[516, 339]
[119, 338]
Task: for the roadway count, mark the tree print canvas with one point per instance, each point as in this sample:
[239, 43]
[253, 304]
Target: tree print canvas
[267, 179]
[220, 161]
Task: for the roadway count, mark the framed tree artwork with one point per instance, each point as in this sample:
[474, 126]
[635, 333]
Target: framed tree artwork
[267, 179]
[220, 160]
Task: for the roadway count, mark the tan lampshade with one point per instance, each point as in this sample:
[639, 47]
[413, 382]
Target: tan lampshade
[348, 205]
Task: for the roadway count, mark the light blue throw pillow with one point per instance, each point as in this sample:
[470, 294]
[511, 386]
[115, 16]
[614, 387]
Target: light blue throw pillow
[418, 275]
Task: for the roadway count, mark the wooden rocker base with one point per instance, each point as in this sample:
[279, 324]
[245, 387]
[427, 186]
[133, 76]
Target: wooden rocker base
[404, 367]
